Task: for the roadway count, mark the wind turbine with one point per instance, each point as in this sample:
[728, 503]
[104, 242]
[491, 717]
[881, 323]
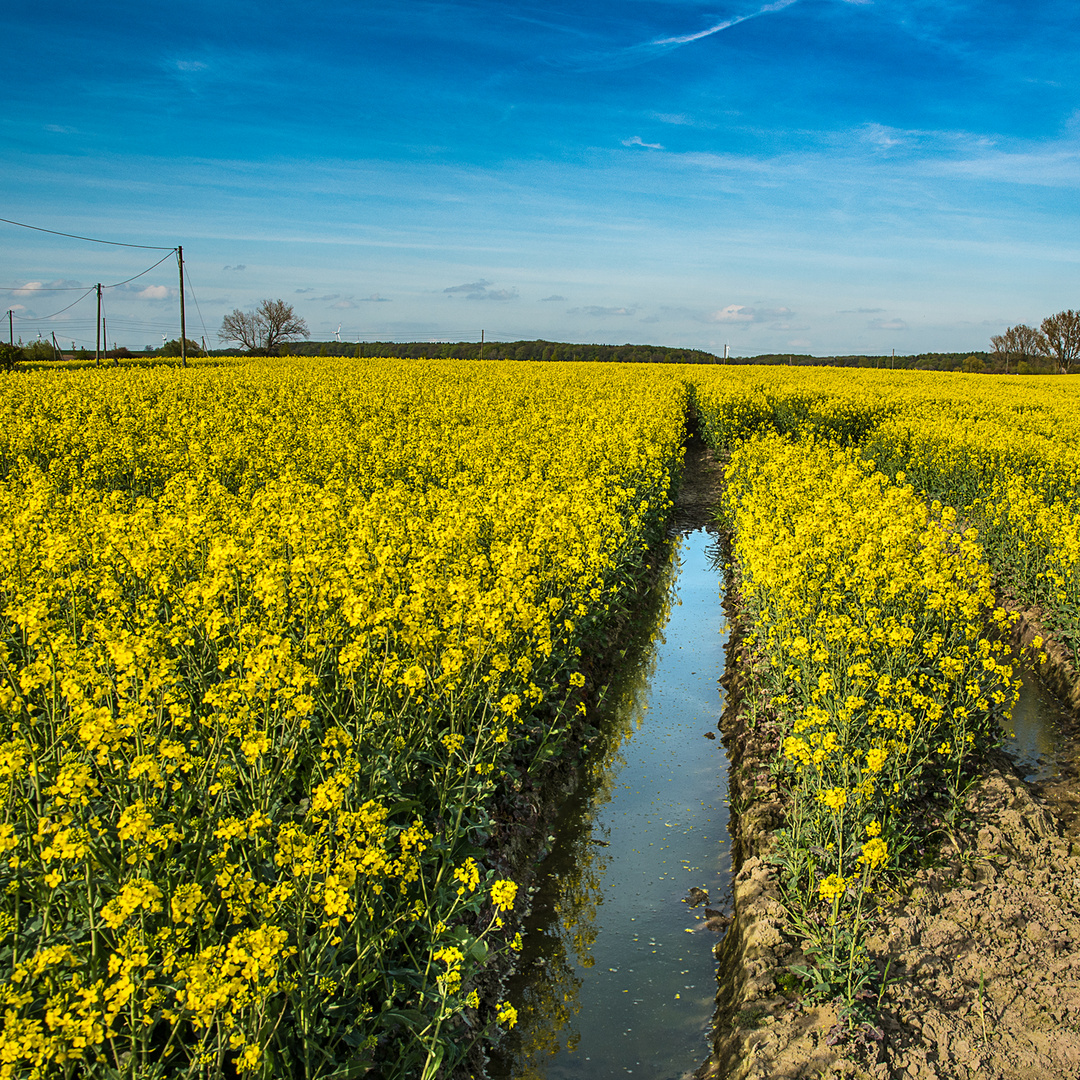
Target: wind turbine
[337, 333]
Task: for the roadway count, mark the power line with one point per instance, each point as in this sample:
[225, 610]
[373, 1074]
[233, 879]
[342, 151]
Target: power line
[45, 288]
[89, 239]
[75, 288]
[43, 318]
[187, 278]
[72, 288]
[146, 271]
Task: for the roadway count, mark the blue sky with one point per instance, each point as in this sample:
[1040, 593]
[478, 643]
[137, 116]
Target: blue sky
[821, 176]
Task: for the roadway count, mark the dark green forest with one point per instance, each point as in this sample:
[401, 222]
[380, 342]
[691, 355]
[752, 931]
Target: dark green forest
[557, 351]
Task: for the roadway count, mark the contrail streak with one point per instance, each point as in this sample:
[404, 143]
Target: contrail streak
[779, 5]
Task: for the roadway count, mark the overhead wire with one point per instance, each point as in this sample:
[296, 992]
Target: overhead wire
[45, 318]
[116, 285]
[42, 288]
[89, 239]
[187, 278]
[146, 271]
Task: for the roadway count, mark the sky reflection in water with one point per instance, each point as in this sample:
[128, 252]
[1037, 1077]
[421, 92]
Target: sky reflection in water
[611, 981]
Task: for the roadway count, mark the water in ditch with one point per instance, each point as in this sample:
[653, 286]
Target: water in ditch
[617, 976]
[1038, 737]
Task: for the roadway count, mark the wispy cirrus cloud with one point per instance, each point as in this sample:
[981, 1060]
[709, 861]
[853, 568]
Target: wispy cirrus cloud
[636, 140]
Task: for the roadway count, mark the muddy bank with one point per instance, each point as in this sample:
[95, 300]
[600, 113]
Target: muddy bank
[758, 1029]
[1058, 674]
[702, 481]
[983, 946]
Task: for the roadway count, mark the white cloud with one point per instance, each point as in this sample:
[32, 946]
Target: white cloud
[889, 324]
[190, 65]
[636, 140]
[155, 292]
[35, 288]
[548, 299]
[733, 313]
[738, 313]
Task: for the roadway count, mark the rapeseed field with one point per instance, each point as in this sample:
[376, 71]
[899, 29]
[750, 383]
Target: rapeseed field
[273, 635]
[276, 635]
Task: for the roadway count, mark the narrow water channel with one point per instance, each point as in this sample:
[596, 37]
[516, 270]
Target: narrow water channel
[617, 975]
[1037, 740]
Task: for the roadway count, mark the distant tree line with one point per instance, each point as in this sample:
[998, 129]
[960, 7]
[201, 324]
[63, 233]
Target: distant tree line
[556, 351]
[508, 350]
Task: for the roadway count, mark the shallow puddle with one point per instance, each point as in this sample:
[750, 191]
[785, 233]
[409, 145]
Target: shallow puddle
[618, 976]
[1038, 741]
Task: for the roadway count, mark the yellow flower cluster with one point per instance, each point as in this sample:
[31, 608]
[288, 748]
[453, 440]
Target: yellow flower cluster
[881, 654]
[1004, 452]
[271, 633]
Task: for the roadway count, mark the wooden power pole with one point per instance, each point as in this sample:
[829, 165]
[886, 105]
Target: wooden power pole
[183, 323]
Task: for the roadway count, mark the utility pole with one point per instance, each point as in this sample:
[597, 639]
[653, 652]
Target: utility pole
[11, 329]
[725, 354]
[183, 323]
[105, 335]
[481, 344]
[97, 348]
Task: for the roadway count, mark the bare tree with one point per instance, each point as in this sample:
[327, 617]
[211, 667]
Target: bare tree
[271, 324]
[1002, 350]
[240, 326]
[1026, 343]
[279, 323]
[1062, 334]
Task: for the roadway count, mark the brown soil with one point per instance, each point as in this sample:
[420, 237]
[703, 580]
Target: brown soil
[702, 482]
[984, 946]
